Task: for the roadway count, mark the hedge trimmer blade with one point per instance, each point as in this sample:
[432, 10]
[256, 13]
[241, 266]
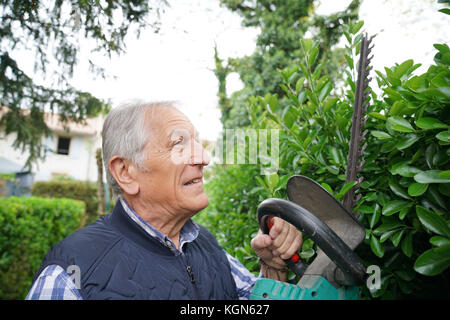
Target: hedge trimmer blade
[358, 122]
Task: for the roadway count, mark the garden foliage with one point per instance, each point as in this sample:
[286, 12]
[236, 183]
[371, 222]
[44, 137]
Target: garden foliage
[281, 25]
[30, 226]
[78, 190]
[405, 193]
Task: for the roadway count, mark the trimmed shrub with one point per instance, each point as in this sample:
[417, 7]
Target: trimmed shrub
[78, 190]
[405, 195]
[30, 226]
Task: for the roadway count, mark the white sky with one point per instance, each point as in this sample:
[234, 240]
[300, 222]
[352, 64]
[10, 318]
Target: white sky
[176, 64]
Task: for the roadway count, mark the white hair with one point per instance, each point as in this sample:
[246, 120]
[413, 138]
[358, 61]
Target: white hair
[125, 134]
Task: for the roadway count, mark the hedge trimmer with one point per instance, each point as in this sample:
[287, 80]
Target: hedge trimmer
[336, 272]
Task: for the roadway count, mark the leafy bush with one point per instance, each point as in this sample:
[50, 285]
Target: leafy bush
[232, 219]
[404, 197]
[30, 226]
[407, 188]
[78, 190]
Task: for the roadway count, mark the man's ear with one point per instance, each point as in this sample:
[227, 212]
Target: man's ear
[124, 172]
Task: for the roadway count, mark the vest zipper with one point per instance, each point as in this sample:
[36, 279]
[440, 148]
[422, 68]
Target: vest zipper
[191, 274]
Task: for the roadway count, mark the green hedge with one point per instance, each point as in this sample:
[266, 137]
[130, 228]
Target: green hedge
[404, 204]
[78, 190]
[30, 226]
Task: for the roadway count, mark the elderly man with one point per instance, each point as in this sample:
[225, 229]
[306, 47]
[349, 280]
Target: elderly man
[148, 247]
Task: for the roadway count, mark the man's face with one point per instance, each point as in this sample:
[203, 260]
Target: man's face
[175, 160]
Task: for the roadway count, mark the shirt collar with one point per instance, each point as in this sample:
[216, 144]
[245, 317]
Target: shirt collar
[188, 233]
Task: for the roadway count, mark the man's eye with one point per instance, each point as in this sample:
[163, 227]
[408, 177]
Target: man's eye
[178, 141]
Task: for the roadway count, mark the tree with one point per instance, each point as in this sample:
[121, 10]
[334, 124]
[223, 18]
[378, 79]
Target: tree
[51, 31]
[100, 186]
[282, 24]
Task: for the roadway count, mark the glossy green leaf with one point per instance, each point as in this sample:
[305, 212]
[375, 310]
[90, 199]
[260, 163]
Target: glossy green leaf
[293, 98]
[307, 44]
[304, 69]
[431, 150]
[327, 187]
[397, 189]
[354, 28]
[308, 253]
[283, 180]
[313, 55]
[375, 217]
[346, 188]
[434, 196]
[402, 214]
[417, 83]
[261, 182]
[289, 119]
[381, 135]
[439, 241]
[349, 61]
[329, 103]
[433, 221]
[358, 38]
[407, 245]
[378, 116]
[404, 170]
[431, 176]
[429, 123]
[407, 141]
[387, 226]
[439, 159]
[394, 206]
[397, 237]
[403, 68]
[397, 107]
[392, 78]
[299, 84]
[348, 37]
[301, 97]
[417, 155]
[325, 91]
[332, 169]
[417, 189]
[334, 154]
[388, 146]
[444, 136]
[400, 124]
[272, 180]
[433, 261]
[387, 235]
[376, 246]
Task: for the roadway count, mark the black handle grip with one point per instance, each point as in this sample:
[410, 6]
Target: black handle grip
[333, 246]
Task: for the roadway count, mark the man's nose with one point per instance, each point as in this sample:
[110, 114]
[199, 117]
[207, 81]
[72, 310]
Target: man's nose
[199, 156]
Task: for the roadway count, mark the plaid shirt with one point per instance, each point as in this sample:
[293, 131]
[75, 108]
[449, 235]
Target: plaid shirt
[54, 283]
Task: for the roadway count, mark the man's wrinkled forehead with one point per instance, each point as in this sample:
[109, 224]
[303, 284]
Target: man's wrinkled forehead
[167, 121]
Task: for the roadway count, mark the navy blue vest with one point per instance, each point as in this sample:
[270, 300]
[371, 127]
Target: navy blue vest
[119, 260]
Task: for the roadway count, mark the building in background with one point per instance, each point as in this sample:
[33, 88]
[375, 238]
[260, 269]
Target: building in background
[70, 152]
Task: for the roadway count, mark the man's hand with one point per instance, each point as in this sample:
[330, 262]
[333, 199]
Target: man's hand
[281, 243]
